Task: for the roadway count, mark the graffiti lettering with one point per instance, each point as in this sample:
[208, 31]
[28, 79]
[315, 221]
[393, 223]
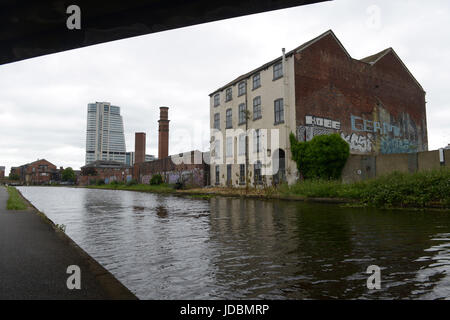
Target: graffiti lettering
[397, 146]
[363, 125]
[322, 122]
[359, 142]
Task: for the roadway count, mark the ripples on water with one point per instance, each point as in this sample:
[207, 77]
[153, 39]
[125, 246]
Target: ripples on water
[167, 247]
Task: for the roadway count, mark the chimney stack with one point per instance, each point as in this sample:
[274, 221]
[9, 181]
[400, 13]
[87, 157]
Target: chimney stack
[139, 147]
[163, 137]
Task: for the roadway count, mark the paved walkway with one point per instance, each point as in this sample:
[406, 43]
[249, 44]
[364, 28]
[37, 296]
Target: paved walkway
[34, 260]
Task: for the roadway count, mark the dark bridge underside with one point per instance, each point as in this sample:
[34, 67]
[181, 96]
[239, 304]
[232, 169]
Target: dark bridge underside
[33, 28]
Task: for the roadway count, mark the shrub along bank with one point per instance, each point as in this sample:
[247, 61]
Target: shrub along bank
[419, 190]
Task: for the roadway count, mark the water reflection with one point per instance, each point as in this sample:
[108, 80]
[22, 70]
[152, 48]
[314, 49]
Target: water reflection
[166, 247]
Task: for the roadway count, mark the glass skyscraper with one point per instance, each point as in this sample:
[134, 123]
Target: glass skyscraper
[105, 139]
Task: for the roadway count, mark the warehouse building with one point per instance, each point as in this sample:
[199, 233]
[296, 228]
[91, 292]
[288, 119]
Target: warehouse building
[374, 103]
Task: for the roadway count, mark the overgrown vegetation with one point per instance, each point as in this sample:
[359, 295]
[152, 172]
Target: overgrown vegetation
[156, 180]
[15, 201]
[323, 157]
[14, 176]
[421, 189]
[161, 188]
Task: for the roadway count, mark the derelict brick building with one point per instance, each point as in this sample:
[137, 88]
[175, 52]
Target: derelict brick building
[375, 103]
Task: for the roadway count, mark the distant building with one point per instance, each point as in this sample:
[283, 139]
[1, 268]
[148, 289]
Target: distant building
[149, 157]
[37, 172]
[105, 139]
[191, 168]
[447, 147]
[106, 171]
[2, 172]
[375, 104]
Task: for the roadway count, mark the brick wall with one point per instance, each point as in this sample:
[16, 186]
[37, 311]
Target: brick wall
[107, 175]
[190, 166]
[376, 108]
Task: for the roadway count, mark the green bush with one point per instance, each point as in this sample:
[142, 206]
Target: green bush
[323, 157]
[421, 189]
[68, 175]
[132, 182]
[100, 182]
[156, 179]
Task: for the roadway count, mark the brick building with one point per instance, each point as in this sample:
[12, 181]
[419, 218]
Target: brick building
[2, 172]
[189, 167]
[37, 172]
[106, 171]
[375, 104]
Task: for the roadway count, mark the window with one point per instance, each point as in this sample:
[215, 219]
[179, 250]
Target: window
[242, 173]
[217, 175]
[279, 111]
[228, 94]
[256, 81]
[257, 172]
[256, 141]
[277, 70]
[242, 144]
[217, 149]
[241, 88]
[216, 100]
[229, 147]
[242, 113]
[228, 173]
[257, 108]
[217, 121]
[229, 119]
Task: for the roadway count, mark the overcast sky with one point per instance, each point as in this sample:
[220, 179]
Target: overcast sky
[43, 101]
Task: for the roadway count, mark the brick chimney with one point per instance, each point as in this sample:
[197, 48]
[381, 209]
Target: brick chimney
[163, 137]
[139, 147]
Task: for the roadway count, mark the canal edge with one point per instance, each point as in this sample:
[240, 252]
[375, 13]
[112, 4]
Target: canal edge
[112, 286]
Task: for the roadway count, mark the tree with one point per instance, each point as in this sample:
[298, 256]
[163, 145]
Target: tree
[68, 174]
[14, 176]
[323, 157]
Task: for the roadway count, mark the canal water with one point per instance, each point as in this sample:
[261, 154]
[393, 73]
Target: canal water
[169, 247]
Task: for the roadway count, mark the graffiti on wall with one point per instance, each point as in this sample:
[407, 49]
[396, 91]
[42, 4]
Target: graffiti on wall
[397, 145]
[322, 122]
[384, 134]
[194, 177]
[363, 125]
[359, 143]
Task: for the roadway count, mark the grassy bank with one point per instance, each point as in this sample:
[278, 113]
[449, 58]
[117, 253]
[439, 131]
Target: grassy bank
[430, 189]
[418, 190]
[162, 188]
[15, 201]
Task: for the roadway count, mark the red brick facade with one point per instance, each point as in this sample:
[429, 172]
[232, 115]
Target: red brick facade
[190, 167]
[163, 133]
[139, 147]
[38, 172]
[373, 103]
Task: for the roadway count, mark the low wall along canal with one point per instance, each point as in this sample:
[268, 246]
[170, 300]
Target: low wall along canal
[170, 247]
